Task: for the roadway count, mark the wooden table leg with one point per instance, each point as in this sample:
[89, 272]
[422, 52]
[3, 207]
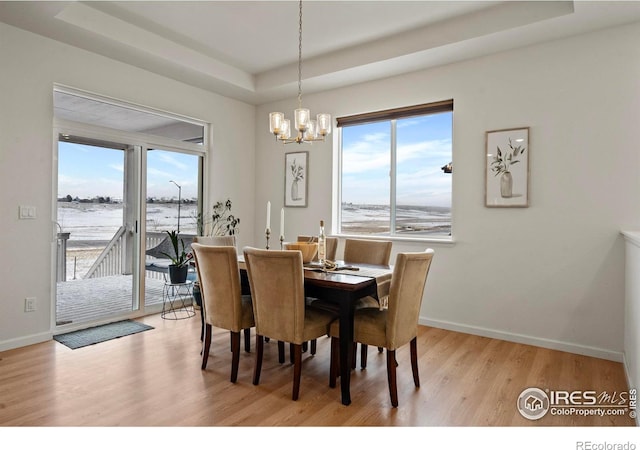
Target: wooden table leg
[346, 343]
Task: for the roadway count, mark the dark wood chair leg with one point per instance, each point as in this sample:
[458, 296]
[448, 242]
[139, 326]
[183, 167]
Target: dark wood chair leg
[258, 366]
[291, 353]
[201, 323]
[297, 369]
[380, 349]
[334, 362]
[247, 340]
[364, 349]
[305, 346]
[391, 377]
[314, 344]
[281, 352]
[354, 354]
[235, 358]
[206, 346]
[414, 361]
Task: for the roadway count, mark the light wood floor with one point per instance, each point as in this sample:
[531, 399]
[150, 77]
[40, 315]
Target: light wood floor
[154, 379]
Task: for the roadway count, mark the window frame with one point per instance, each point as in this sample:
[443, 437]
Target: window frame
[391, 116]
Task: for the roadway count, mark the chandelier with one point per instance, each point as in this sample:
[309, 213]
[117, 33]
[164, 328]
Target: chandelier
[307, 130]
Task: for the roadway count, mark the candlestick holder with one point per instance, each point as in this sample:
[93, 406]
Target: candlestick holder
[281, 242]
[267, 234]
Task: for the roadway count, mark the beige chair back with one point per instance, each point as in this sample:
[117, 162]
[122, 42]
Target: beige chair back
[219, 278]
[276, 278]
[367, 251]
[405, 296]
[216, 240]
[332, 245]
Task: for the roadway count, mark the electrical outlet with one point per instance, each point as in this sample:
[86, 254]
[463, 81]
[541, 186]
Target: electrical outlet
[29, 304]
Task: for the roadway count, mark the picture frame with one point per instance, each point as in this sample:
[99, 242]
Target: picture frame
[507, 168]
[296, 179]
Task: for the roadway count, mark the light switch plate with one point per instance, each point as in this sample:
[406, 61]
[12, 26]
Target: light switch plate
[29, 304]
[27, 212]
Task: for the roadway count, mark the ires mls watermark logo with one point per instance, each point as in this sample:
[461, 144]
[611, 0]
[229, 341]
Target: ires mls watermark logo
[534, 403]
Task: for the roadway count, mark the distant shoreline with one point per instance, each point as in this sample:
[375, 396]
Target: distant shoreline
[94, 224]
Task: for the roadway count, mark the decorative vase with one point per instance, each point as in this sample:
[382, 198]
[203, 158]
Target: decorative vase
[294, 190]
[178, 274]
[506, 185]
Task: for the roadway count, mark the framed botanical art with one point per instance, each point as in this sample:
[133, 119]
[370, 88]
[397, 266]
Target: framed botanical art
[507, 168]
[296, 181]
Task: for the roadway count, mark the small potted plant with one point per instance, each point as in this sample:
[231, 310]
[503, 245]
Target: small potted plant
[179, 260]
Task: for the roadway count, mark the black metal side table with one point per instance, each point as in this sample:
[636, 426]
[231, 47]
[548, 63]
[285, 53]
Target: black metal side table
[177, 300]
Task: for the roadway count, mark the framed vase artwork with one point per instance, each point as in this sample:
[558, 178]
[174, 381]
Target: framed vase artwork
[507, 168]
[296, 180]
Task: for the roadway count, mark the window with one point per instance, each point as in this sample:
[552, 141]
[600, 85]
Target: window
[396, 169]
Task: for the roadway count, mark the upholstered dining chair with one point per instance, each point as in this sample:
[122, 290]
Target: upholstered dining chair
[216, 240]
[367, 251]
[276, 278]
[332, 247]
[332, 244]
[223, 304]
[213, 240]
[395, 326]
[364, 251]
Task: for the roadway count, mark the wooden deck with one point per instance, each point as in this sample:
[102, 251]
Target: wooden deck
[94, 298]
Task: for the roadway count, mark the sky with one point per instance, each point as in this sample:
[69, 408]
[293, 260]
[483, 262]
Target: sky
[423, 147]
[86, 171]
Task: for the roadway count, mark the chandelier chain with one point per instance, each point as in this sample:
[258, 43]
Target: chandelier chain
[306, 129]
[300, 57]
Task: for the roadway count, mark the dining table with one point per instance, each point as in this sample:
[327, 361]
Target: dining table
[341, 285]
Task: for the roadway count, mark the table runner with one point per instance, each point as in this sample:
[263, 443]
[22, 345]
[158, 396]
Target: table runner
[382, 276]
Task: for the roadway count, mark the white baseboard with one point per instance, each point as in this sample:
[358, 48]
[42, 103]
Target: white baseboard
[25, 340]
[523, 339]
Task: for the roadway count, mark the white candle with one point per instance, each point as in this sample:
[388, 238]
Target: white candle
[282, 223]
[268, 215]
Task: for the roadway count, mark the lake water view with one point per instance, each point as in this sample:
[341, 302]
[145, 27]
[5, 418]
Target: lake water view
[100, 221]
[92, 225]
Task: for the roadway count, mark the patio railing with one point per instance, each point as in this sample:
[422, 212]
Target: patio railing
[111, 261]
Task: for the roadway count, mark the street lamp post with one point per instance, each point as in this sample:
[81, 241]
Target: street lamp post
[179, 201]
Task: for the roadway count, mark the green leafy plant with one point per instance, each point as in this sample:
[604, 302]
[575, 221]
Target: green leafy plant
[503, 161]
[180, 256]
[221, 222]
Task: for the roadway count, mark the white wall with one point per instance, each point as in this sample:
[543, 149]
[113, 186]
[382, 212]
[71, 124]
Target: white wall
[30, 66]
[551, 274]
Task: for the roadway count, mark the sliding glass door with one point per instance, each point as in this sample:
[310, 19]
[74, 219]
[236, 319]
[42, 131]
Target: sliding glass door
[96, 213]
[173, 196]
[125, 176]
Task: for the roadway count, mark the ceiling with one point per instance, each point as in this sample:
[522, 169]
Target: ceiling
[248, 50]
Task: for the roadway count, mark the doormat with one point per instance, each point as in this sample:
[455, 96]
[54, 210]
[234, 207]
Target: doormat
[102, 333]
